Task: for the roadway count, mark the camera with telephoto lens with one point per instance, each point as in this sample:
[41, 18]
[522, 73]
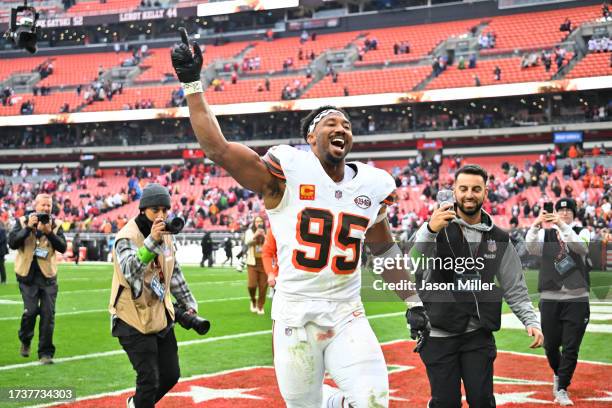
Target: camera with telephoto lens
[190, 321]
[175, 225]
[22, 27]
[43, 218]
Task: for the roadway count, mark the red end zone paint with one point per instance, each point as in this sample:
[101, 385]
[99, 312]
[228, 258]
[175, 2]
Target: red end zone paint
[521, 382]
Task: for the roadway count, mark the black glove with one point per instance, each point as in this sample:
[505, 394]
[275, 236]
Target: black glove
[186, 64]
[420, 327]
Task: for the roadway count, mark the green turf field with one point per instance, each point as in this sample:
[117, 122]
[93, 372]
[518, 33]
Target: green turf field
[98, 364]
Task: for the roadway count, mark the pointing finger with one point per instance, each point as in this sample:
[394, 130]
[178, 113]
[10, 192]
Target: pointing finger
[197, 51]
[184, 36]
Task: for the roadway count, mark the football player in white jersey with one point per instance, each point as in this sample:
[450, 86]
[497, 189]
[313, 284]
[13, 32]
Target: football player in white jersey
[320, 209]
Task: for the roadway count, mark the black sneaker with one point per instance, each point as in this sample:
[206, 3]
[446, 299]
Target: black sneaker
[24, 350]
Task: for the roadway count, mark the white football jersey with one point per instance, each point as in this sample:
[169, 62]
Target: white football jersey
[320, 225]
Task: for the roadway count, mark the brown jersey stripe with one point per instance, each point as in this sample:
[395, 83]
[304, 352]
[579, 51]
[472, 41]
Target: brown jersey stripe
[273, 170]
[391, 199]
[273, 158]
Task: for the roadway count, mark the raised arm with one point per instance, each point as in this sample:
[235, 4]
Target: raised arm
[241, 162]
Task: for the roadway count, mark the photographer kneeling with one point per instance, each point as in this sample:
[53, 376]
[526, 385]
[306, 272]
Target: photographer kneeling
[146, 272]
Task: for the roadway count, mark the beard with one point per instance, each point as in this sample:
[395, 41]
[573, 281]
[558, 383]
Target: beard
[331, 159]
[471, 212]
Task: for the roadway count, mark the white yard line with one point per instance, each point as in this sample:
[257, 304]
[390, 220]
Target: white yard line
[78, 312]
[182, 343]
[510, 321]
[66, 292]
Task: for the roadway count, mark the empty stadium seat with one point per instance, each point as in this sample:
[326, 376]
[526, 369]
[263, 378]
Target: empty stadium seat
[535, 30]
[370, 82]
[421, 38]
[596, 64]
[71, 70]
[511, 72]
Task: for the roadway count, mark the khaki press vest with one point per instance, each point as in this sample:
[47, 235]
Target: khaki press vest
[146, 313]
[25, 254]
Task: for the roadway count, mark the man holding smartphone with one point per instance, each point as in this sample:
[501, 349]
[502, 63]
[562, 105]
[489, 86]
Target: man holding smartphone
[461, 345]
[563, 283]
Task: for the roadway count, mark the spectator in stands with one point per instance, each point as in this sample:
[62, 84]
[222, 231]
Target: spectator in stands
[27, 108]
[476, 80]
[497, 73]
[346, 91]
[435, 66]
[472, 61]
[7, 93]
[267, 84]
[304, 37]
[461, 63]
[566, 25]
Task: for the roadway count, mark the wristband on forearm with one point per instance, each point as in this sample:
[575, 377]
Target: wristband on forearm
[192, 87]
[144, 255]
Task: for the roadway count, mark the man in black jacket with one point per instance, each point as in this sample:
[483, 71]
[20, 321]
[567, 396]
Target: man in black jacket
[37, 238]
[458, 245]
[3, 253]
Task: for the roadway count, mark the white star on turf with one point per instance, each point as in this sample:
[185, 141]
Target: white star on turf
[392, 398]
[518, 398]
[608, 398]
[201, 394]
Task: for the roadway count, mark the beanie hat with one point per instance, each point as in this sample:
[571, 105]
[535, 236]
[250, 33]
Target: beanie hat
[154, 195]
[568, 203]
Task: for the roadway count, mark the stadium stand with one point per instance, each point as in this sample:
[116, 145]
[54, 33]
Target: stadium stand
[535, 30]
[72, 70]
[47, 104]
[157, 65]
[97, 7]
[421, 38]
[511, 72]
[597, 64]
[19, 65]
[369, 82]
[274, 53]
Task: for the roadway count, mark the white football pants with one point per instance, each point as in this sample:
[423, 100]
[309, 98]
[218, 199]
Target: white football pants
[350, 353]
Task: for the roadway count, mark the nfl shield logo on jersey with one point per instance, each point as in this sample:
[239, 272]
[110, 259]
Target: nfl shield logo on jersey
[338, 194]
[491, 245]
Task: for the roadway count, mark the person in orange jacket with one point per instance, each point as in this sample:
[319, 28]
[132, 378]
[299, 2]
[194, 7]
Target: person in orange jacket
[269, 258]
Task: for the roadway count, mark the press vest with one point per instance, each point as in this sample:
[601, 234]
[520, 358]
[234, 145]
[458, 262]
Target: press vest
[451, 310]
[147, 313]
[549, 278]
[25, 254]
